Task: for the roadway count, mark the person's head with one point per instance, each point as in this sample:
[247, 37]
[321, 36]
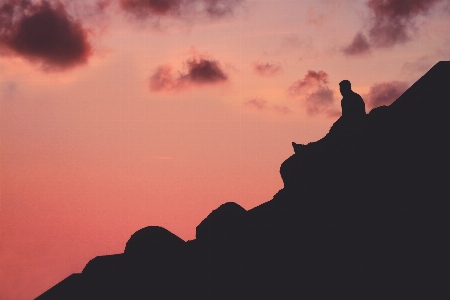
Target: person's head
[345, 87]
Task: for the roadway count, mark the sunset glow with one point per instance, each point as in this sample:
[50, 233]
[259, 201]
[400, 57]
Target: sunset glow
[120, 114]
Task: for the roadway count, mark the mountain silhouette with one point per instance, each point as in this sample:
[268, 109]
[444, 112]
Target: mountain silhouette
[364, 214]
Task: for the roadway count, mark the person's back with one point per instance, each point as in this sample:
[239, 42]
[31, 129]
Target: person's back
[353, 112]
[352, 104]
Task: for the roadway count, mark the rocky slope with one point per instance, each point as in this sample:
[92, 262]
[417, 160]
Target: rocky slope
[364, 214]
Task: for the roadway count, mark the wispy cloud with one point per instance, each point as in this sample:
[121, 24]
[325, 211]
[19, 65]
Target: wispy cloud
[360, 45]
[266, 69]
[385, 93]
[146, 9]
[392, 22]
[313, 90]
[261, 104]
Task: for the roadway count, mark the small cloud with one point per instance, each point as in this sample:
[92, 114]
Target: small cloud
[312, 80]
[281, 109]
[200, 71]
[359, 46]
[385, 93]
[162, 79]
[43, 33]
[267, 69]
[313, 90]
[261, 104]
[256, 103]
[293, 41]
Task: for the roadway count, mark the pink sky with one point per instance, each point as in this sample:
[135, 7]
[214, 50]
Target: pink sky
[135, 114]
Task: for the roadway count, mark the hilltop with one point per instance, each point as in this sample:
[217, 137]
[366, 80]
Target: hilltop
[364, 214]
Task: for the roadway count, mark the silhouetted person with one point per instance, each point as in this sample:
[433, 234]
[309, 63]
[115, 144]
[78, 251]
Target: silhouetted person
[352, 104]
[353, 108]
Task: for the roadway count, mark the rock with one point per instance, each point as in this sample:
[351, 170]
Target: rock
[225, 218]
[152, 241]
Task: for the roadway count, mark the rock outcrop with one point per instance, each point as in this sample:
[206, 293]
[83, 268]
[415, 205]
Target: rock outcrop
[364, 214]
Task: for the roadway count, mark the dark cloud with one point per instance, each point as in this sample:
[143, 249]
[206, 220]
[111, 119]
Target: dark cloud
[261, 104]
[43, 33]
[392, 22]
[385, 93]
[313, 89]
[199, 71]
[143, 9]
[360, 45]
[266, 69]
[204, 71]
[393, 19]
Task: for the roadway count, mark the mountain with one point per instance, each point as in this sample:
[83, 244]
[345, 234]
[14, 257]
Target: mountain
[364, 214]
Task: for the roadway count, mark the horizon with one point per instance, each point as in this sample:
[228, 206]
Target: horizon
[165, 113]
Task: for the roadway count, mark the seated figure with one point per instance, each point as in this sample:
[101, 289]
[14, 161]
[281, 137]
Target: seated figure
[352, 104]
[353, 109]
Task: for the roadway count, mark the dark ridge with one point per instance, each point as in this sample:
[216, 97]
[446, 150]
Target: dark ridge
[364, 214]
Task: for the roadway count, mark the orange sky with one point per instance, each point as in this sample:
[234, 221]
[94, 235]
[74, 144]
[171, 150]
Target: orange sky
[165, 112]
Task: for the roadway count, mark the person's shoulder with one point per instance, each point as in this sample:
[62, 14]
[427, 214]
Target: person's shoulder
[356, 95]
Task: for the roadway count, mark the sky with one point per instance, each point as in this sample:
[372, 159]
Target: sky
[121, 114]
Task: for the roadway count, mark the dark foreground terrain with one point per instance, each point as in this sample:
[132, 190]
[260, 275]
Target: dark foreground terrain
[364, 214]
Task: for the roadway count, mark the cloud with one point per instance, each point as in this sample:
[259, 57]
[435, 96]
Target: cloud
[360, 45]
[143, 9]
[256, 103]
[314, 92]
[393, 19]
[385, 93]
[200, 71]
[267, 69]
[281, 109]
[319, 101]
[312, 80]
[391, 23]
[261, 104]
[44, 33]
[424, 63]
[204, 71]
